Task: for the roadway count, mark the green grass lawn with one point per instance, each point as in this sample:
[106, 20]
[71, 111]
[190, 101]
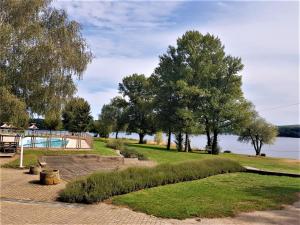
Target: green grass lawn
[216, 196]
[159, 154]
[31, 156]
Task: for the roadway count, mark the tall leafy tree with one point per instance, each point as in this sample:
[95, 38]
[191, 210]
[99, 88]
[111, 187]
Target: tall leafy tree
[53, 120]
[220, 103]
[76, 115]
[138, 90]
[165, 85]
[113, 115]
[118, 107]
[12, 109]
[259, 132]
[41, 51]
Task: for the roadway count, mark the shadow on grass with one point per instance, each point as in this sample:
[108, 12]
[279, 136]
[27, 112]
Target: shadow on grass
[278, 196]
[160, 148]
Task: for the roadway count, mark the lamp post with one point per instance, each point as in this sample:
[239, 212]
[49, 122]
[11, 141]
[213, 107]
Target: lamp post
[21, 153]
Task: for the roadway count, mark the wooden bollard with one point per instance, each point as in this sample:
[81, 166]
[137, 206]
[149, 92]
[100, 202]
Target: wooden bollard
[49, 177]
[35, 170]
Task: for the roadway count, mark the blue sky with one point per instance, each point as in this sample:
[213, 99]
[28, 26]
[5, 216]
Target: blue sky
[127, 37]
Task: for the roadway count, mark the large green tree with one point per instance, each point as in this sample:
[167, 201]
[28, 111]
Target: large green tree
[167, 91]
[216, 80]
[12, 109]
[258, 133]
[53, 120]
[76, 115]
[114, 115]
[140, 116]
[41, 51]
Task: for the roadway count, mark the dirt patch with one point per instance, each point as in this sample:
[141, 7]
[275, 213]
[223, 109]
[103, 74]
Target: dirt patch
[295, 161]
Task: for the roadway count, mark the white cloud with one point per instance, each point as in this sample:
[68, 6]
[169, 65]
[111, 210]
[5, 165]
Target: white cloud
[128, 15]
[266, 37]
[127, 38]
[100, 81]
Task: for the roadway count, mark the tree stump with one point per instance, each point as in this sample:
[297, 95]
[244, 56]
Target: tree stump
[49, 177]
[35, 170]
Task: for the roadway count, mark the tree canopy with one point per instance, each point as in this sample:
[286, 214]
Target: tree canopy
[138, 90]
[76, 115]
[196, 88]
[12, 109]
[41, 51]
[258, 132]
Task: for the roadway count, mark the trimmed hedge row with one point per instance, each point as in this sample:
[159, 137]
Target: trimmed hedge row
[101, 186]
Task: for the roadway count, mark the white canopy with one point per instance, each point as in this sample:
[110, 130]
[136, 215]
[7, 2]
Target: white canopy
[33, 127]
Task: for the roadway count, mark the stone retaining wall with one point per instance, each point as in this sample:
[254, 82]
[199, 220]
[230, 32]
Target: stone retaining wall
[72, 166]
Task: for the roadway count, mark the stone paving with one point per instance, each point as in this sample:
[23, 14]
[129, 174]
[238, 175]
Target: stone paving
[24, 201]
[18, 184]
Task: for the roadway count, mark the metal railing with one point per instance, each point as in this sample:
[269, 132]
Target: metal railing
[50, 140]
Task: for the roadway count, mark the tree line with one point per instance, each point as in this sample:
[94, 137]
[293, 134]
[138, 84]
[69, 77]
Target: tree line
[195, 89]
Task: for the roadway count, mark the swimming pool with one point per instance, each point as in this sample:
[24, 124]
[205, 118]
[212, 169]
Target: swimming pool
[41, 142]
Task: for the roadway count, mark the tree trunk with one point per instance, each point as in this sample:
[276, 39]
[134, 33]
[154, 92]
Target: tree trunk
[258, 147]
[208, 137]
[117, 132]
[214, 147]
[186, 142]
[179, 141]
[189, 146]
[141, 141]
[169, 140]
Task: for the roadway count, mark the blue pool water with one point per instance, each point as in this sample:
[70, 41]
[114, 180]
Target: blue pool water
[41, 142]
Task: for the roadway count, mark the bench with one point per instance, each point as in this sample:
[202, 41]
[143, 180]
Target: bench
[8, 147]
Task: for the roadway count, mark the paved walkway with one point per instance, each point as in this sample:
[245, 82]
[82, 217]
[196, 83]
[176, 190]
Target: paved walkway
[24, 201]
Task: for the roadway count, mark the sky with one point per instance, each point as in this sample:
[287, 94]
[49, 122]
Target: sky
[127, 37]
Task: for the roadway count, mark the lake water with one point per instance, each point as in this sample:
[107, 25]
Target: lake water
[283, 147]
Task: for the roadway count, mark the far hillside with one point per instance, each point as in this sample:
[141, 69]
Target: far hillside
[289, 131]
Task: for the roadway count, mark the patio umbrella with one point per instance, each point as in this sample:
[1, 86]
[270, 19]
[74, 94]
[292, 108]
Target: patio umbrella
[5, 126]
[33, 127]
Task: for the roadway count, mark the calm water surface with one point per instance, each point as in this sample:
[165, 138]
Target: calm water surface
[283, 147]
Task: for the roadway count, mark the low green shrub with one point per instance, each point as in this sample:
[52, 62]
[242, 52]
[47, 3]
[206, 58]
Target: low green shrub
[132, 153]
[101, 186]
[117, 144]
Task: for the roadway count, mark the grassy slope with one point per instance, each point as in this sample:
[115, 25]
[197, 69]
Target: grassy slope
[161, 155]
[31, 156]
[217, 196]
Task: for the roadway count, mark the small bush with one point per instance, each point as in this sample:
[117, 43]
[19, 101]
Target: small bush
[132, 153]
[227, 151]
[117, 144]
[101, 186]
[263, 154]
